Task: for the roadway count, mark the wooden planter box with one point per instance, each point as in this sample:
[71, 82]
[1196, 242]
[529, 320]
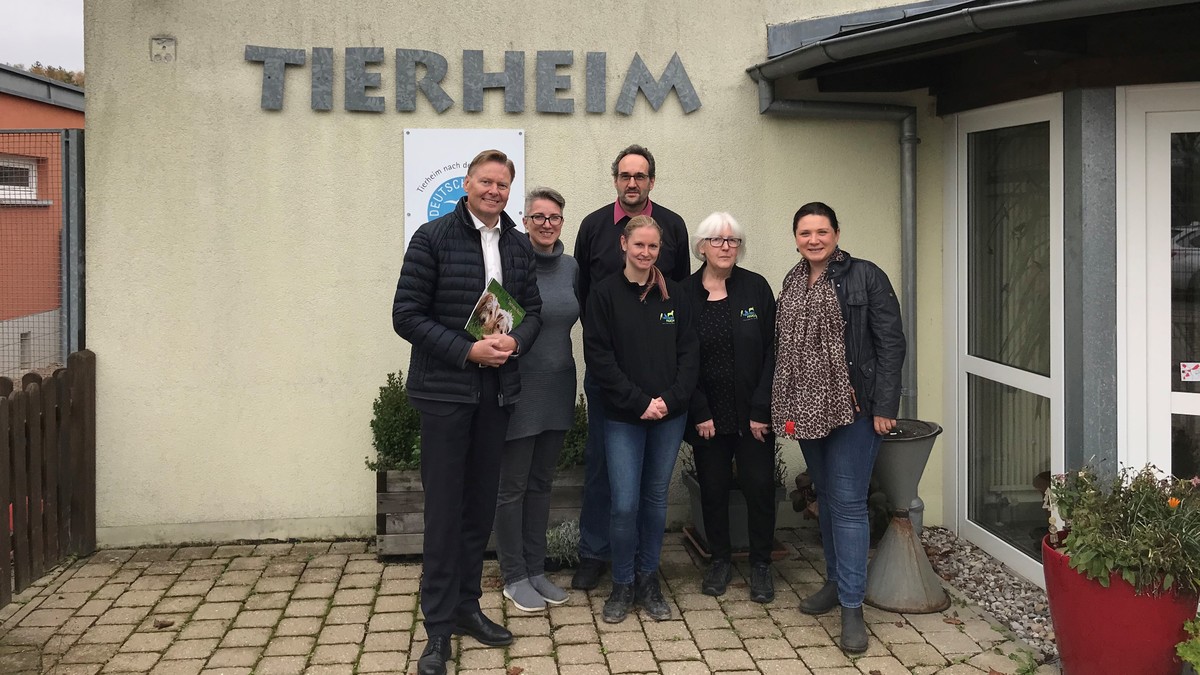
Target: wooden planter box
[400, 512]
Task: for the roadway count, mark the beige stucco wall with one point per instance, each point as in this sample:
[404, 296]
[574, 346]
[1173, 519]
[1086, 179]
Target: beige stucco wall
[241, 263]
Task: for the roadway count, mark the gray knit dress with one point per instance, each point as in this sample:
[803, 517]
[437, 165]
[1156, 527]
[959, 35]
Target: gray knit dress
[548, 368]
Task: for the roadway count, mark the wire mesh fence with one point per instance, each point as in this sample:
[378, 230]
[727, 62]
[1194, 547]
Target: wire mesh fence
[35, 205]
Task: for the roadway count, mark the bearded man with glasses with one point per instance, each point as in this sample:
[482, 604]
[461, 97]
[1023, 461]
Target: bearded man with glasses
[598, 253]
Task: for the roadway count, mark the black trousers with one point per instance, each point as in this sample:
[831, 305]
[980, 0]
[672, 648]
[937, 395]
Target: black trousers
[461, 448]
[756, 478]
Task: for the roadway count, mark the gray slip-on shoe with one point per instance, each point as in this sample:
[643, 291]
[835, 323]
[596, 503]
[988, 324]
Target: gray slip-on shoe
[548, 590]
[524, 596]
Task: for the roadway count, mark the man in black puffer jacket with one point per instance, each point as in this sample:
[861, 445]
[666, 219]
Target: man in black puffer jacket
[464, 389]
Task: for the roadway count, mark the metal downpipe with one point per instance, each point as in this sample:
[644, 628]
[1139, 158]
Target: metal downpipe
[907, 117]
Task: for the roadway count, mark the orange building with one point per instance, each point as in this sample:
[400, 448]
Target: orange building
[33, 112]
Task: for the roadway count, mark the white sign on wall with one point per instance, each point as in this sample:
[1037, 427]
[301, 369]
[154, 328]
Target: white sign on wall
[435, 164]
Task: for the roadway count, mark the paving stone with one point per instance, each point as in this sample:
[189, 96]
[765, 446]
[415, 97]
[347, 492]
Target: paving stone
[807, 636]
[359, 581]
[931, 623]
[752, 628]
[90, 653]
[354, 596]
[961, 669]
[350, 614]
[298, 645]
[234, 550]
[131, 662]
[531, 646]
[216, 610]
[528, 626]
[624, 642]
[228, 594]
[89, 585]
[717, 638]
[991, 661]
[246, 637]
[332, 635]
[121, 615]
[534, 664]
[275, 584]
[675, 650]
[876, 615]
[890, 633]
[409, 571]
[387, 603]
[476, 659]
[982, 631]
[213, 628]
[744, 609]
[234, 657]
[341, 669]
[387, 642]
[382, 662]
[96, 570]
[311, 607]
[666, 630]
[187, 604]
[881, 665]
[334, 653]
[702, 619]
[189, 588]
[147, 642]
[317, 549]
[29, 636]
[283, 569]
[313, 591]
[166, 567]
[94, 608]
[576, 634]
[188, 667]
[26, 660]
[106, 634]
[953, 643]
[299, 626]
[239, 578]
[918, 654]
[399, 587]
[248, 563]
[190, 649]
[845, 670]
[688, 668]
[59, 644]
[580, 653]
[562, 616]
[257, 618]
[632, 662]
[822, 657]
[281, 665]
[348, 547]
[580, 669]
[201, 571]
[782, 667]
[770, 648]
[194, 553]
[46, 618]
[696, 601]
[65, 601]
[391, 621]
[728, 659]
[316, 575]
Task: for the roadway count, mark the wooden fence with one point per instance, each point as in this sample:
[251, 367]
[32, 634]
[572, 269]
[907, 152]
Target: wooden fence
[47, 471]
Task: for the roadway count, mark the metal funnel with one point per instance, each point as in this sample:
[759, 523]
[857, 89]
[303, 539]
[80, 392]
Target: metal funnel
[900, 578]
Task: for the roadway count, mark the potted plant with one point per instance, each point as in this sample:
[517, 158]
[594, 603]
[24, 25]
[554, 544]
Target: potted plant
[739, 534]
[562, 545]
[1122, 568]
[400, 499]
[1189, 650]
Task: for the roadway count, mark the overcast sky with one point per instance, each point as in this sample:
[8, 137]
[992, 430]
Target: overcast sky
[50, 31]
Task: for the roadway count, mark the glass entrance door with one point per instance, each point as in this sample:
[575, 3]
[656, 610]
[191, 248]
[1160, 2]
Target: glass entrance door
[1009, 342]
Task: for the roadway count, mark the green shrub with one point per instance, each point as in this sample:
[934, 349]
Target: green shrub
[576, 440]
[395, 428]
[562, 543]
[1189, 650]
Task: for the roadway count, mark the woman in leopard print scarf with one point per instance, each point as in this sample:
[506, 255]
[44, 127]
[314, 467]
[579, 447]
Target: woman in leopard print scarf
[839, 347]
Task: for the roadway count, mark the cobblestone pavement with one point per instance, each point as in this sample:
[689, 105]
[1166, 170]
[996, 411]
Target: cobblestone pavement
[331, 608]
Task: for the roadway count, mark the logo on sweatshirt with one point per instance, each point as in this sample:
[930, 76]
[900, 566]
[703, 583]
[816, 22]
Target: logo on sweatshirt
[667, 318]
[749, 314]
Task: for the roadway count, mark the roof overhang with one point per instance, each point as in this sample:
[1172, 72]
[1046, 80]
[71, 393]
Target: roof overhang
[42, 89]
[951, 45]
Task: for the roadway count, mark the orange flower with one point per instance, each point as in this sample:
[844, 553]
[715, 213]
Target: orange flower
[1173, 502]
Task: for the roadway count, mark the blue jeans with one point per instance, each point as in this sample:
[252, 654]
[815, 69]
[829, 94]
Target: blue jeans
[641, 459]
[840, 466]
[594, 515]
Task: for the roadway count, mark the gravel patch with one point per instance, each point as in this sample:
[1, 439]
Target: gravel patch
[1015, 603]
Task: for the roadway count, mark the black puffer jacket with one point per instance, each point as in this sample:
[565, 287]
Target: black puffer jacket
[752, 318]
[874, 335]
[442, 279]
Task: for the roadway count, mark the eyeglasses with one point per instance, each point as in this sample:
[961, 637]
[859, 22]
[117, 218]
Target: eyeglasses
[626, 177]
[539, 218]
[716, 242]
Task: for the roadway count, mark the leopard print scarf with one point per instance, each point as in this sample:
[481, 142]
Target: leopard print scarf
[811, 393]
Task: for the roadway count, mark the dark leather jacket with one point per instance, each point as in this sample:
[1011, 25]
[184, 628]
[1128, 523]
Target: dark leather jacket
[874, 335]
[442, 279]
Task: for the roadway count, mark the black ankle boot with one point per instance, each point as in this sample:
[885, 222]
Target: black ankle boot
[618, 604]
[647, 593]
[822, 601]
[716, 579]
[854, 631]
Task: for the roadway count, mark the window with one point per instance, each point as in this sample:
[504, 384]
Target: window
[18, 178]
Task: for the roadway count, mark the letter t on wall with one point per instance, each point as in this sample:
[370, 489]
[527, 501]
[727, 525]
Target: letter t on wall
[275, 60]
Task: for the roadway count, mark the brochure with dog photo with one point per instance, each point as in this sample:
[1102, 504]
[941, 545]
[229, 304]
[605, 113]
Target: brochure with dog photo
[496, 312]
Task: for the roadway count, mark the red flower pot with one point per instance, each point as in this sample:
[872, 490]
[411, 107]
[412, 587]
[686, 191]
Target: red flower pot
[1112, 631]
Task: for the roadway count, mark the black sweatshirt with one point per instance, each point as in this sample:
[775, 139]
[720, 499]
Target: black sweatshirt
[598, 247]
[640, 350]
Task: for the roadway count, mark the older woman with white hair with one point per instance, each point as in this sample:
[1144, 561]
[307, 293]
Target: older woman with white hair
[730, 413]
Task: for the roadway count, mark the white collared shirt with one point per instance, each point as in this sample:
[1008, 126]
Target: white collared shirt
[490, 236]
